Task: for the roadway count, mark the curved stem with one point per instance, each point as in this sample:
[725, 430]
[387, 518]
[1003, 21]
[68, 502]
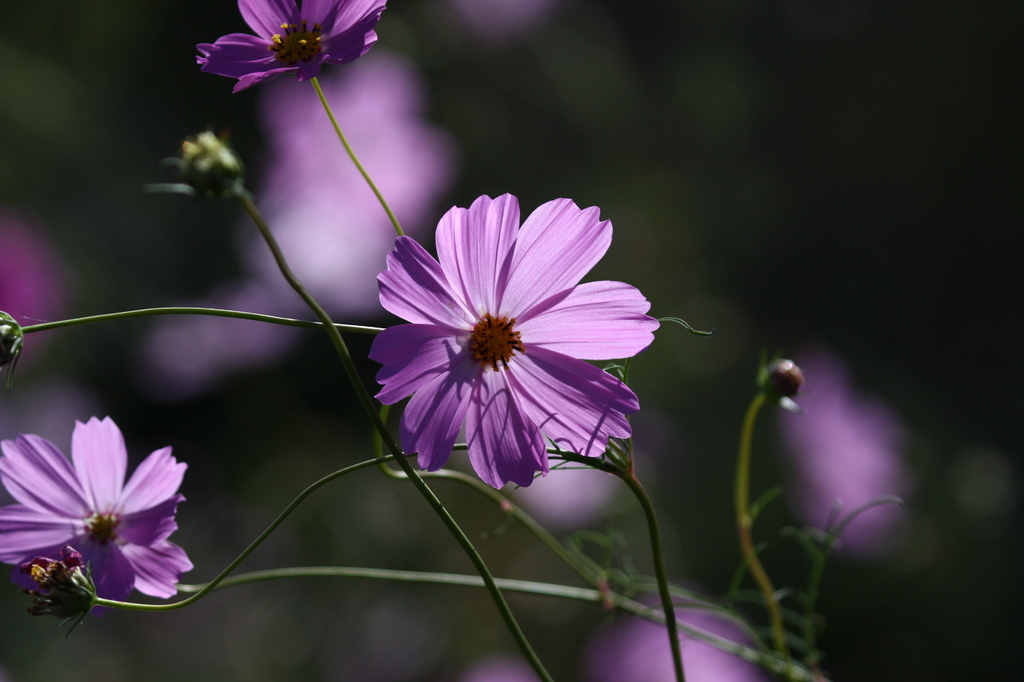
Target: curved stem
[189, 310]
[745, 523]
[355, 159]
[525, 586]
[208, 587]
[742, 651]
[392, 445]
[658, 556]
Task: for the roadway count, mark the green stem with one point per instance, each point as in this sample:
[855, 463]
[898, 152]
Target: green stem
[505, 504]
[658, 555]
[392, 445]
[742, 651]
[208, 587]
[355, 159]
[213, 312]
[745, 523]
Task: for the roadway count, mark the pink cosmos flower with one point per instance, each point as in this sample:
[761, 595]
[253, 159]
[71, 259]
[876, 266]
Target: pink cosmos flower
[329, 224]
[499, 331]
[846, 450]
[290, 39]
[500, 668]
[637, 650]
[32, 276]
[120, 529]
[497, 21]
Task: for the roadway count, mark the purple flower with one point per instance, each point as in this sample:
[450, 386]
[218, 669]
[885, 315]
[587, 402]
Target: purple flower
[290, 39]
[637, 650]
[500, 669]
[329, 224]
[499, 329]
[570, 497]
[31, 279]
[846, 450]
[120, 529]
[496, 21]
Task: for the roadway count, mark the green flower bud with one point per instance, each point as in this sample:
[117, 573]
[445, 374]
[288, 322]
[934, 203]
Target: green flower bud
[11, 339]
[209, 166]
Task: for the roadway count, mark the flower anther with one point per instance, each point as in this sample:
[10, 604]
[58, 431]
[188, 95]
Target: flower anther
[495, 340]
[101, 527]
[298, 44]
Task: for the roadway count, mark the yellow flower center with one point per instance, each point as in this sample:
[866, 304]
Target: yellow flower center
[493, 340]
[38, 573]
[297, 44]
[101, 526]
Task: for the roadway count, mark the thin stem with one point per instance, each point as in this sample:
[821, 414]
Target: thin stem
[745, 523]
[658, 556]
[392, 445]
[742, 651]
[180, 310]
[208, 587]
[355, 159]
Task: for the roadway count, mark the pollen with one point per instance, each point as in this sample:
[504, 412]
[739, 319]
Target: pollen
[495, 340]
[101, 526]
[298, 44]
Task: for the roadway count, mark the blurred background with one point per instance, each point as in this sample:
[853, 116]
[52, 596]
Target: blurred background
[836, 180]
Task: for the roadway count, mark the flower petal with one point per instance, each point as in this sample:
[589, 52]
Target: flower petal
[259, 77]
[148, 526]
[575, 404]
[595, 321]
[558, 244]
[266, 16]
[504, 443]
[39, 476]
[236, 55]
[353, 43]
[100, 459]
[412, 355]
[434, 415]
[111, 571]
[25, 533]
[415, 288]
[338, 17]
[156, 479]
[157, 568]
[475, 248]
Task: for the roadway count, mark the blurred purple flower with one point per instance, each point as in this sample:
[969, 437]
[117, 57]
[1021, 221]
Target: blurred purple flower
[500, 669]
[637, 650]
[846, 450]
[121, 529]
[505, 298]
[569, 497]
[31, 279]
[290, 39]
[329, 224]
[497, 21]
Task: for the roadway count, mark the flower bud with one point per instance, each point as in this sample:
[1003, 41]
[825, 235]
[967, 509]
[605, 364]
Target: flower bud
[783, 378]
[209, 166]
[11, 339]
[65, 588]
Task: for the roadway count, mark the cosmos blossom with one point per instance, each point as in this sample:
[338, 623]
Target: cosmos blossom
[637, 650]
[327, 221]
[500, 330]
[846, 449]
[120, 529]
[292, 39]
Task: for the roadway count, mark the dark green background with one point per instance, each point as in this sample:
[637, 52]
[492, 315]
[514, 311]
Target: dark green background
[859, 188]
